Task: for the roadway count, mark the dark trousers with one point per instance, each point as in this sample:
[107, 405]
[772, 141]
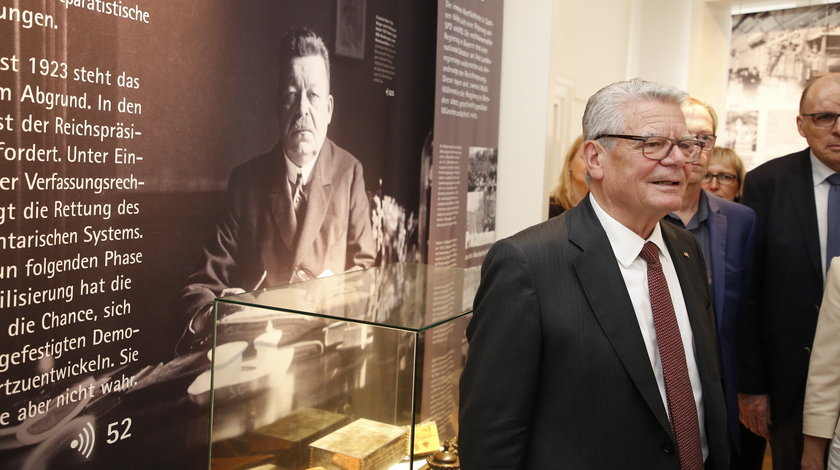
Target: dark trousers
[751, 455]
[786, 436]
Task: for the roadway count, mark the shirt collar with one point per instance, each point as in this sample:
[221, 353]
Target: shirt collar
[292, 169]
[819, 170]
[702, 207]
[700, 216]
[626, 244]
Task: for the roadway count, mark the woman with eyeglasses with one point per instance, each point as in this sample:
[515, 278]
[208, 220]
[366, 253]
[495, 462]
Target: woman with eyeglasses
[725, 174]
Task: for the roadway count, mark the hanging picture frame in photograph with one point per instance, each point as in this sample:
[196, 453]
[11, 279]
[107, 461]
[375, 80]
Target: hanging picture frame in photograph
[350, 28]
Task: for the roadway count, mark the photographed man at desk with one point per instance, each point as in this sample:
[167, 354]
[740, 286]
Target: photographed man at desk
[299, 211]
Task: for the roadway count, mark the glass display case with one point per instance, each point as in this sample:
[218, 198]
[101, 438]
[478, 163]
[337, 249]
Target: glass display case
[355, 371]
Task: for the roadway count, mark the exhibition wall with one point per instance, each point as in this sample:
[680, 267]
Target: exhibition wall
[143, 174]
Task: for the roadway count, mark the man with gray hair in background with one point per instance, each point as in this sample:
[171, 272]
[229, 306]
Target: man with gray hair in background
[592, 343]
[725, 232]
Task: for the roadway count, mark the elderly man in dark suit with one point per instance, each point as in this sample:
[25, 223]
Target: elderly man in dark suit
[298, 212]
[592, 343]
[791, 197]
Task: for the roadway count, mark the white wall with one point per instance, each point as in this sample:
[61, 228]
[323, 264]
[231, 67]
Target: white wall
[589, 49]
[708, 66]
[525, 73]
[659, 41]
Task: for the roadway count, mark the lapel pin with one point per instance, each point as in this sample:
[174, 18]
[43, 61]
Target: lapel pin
[685, 253]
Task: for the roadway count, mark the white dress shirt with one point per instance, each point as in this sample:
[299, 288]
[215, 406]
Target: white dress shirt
[627, 245]
[292, 171]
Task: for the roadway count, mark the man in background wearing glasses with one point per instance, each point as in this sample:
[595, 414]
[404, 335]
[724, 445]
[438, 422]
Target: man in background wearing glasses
[791, 199]
[724, 230]
[592, 342]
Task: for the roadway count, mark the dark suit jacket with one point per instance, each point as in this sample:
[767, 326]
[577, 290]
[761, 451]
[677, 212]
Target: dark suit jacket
[254, 235]
[557, 374]
[731, 231]
[777, 328]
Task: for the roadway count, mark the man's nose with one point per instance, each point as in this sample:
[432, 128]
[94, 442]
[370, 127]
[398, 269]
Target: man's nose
[302, 105]
[676, 156]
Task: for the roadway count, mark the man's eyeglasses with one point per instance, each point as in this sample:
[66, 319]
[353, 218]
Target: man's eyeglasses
[724, 179]
[708, 140]
[656, 147]
[822, 119]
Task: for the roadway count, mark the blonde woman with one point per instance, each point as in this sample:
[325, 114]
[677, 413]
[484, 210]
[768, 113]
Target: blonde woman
[725, 174]
[572, 187]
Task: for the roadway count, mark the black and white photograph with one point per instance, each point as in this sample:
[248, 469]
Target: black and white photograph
[742, 131]
[350, 28]
[481, 196]
[773, 56]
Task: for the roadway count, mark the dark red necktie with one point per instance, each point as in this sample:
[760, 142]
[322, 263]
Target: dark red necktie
[681, 406]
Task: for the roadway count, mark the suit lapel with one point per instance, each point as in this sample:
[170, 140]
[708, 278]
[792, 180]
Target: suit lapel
[598, 272]
[802, 197]
[317, 202]
[686, 260]
[717, 257]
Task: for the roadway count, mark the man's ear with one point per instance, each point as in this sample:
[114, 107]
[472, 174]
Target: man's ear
[800, 123]
[593, 156]
[330, 104]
